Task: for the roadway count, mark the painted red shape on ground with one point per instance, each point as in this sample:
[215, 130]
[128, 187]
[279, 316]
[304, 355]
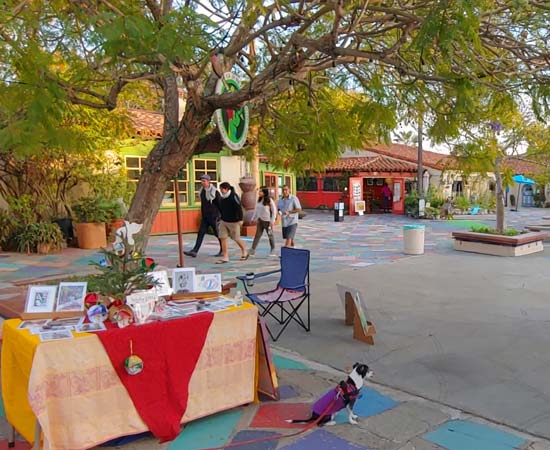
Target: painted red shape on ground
[274, 415]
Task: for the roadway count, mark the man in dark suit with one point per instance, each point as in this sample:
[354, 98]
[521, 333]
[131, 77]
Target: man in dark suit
[210, 214]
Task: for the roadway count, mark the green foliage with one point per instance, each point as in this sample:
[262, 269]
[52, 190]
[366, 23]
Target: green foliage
[123, 271]
[461, 202]
[91, 210]
[308, 130]
[434, 198]
[411, 203]
[31, 235]
[8, 227]
[489, 230]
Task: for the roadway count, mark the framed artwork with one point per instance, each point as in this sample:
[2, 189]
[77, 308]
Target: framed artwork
[40, 299]
[380, 182]
[267, 374]
[70, 296]
[208, 282]
[163, 284]
[345, 292]
[370, 181]
[183, 280]
[360, 206]
[56, 335]
[86, 327]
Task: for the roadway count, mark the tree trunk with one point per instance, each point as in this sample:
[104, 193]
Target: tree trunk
[163, 163]
[500, 195]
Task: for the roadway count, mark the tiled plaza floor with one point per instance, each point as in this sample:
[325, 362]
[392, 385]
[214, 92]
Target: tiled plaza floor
[389, 420]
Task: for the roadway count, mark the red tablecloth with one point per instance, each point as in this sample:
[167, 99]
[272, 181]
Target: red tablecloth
[170, 351]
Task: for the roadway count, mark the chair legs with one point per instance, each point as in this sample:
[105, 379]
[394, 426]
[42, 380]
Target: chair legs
[288, 312]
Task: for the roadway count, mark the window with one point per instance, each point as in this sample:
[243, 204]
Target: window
[270, 182]
[308, 184]
[201, 167]
[331, 184]
[169, 198]
[134, 168]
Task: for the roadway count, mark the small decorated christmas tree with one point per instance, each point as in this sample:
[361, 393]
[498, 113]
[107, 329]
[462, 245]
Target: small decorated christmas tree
[124, 269]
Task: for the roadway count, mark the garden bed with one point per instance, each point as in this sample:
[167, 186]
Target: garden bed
[497, 244]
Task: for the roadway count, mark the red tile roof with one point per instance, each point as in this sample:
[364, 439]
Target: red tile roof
[410, 153]
[522, 166]
[371, 164]
[147, 123]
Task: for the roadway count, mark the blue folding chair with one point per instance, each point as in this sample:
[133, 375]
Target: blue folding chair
[283, 303]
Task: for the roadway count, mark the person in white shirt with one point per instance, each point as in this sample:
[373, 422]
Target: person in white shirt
[265, 215]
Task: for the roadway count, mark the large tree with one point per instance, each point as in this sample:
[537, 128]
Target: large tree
[88, 51]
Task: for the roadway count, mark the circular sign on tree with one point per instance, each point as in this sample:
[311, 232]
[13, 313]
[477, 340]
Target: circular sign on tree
[232, 123]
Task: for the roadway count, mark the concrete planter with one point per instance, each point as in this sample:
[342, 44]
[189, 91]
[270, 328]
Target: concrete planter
[498, 245]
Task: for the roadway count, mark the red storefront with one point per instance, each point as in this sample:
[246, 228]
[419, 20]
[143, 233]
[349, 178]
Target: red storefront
[357, 179]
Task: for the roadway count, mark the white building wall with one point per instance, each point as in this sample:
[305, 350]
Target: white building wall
[232, 168]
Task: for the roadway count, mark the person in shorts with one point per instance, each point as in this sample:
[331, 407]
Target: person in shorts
[231, 212]
[289, 207]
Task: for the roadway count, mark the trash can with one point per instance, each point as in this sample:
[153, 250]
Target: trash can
[339, 212]
[413, 239]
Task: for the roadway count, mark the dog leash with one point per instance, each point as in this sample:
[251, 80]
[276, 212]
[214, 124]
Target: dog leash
[308, 427]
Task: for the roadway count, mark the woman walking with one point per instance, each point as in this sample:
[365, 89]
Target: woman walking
[265, 215]
[231, 212]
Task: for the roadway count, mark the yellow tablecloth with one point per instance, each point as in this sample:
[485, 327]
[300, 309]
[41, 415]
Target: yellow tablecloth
[79, 400]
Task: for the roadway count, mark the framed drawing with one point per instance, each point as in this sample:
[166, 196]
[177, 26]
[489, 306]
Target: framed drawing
[208, 282]
[360, 207]
[70, 296]
[183, 280]
[162, 283]
[40, 299]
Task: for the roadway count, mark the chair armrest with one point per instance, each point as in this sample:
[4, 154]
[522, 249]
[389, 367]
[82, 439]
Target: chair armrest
[256, 275]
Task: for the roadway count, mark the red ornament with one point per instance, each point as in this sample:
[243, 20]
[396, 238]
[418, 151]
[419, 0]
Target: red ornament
[91, 299]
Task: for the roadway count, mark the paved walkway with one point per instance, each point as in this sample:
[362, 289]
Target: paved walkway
[390, 418]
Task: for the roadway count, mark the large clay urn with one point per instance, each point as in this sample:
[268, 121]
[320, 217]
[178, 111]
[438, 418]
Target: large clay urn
[248, 198]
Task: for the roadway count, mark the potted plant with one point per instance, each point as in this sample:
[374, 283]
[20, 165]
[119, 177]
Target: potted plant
[91, 217]
[116, 211]
[40, 237]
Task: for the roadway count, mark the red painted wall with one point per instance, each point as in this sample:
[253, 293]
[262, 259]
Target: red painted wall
[165, 221]
[316, 199]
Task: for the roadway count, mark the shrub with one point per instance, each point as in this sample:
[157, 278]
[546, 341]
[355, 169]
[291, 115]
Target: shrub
[39, 233]
[91, 210]
[488, 230]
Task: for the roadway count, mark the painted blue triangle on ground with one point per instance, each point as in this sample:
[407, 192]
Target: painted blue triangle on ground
[285, 363]
[463, 434]
[323, 440]
[370, 403]
[248, 435]
[212, 431]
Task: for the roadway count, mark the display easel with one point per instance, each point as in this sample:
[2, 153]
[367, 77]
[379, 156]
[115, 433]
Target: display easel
[352, 317]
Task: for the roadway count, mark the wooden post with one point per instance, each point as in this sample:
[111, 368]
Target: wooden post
[178, 222]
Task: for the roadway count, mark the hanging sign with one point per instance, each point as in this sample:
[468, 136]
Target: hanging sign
[232, 123]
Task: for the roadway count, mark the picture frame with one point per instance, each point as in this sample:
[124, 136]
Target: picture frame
[370, 181]
[40, 299]
[163, 287]
[380, 182]
[360, 206]
[208, 282]
[183, 280]
[90, 327]
[70, 296]
[56, 335]
[32, 325]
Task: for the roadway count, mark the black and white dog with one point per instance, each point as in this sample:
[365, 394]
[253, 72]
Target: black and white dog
[340, 397]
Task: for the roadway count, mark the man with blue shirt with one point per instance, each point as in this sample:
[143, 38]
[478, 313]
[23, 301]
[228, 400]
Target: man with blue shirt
[289, 207]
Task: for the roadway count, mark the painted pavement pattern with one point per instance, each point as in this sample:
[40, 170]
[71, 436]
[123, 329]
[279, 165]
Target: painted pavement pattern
[389, 420]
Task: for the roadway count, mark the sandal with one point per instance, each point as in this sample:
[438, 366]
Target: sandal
[244, 258]
[222, 261]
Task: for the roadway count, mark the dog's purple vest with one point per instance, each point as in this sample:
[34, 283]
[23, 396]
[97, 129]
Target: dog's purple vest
[325, 401]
